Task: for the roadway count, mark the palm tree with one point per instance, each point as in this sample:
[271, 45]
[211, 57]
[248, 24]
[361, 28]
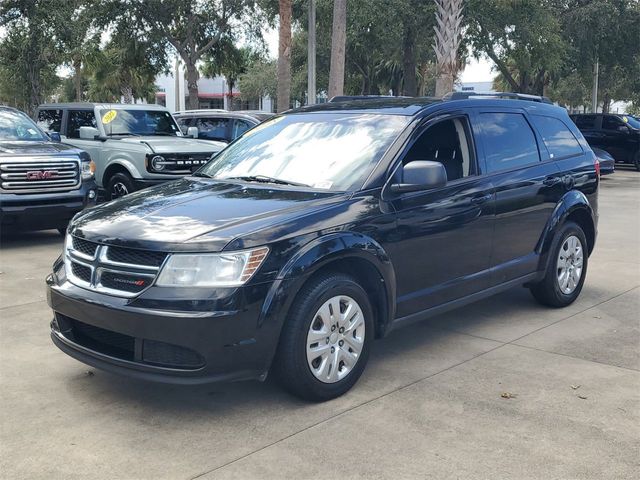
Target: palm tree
[447, 41]
[284, 56]
[338, 45]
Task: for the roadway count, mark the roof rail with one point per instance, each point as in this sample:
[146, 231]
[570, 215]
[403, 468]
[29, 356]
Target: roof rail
[506, 95]
[351, 98]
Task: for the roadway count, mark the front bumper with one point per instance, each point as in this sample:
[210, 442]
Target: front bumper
[182, 336]
[45, 210]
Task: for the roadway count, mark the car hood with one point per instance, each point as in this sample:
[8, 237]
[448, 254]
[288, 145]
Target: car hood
[194, 214]
[176, 144]
[13, 148]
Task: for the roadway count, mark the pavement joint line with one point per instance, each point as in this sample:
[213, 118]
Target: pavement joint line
[415, 382]
[23, 304]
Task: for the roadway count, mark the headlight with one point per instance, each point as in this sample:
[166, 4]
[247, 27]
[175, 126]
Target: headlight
[230, 269]
[157, 162]
[88, 169]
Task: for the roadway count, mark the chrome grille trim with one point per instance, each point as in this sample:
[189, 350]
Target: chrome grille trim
[14, 170]
[100, 263]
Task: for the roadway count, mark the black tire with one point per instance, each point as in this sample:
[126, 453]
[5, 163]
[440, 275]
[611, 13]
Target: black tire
[548, 291]
[636, 161]
[119, 185]
[290, 365]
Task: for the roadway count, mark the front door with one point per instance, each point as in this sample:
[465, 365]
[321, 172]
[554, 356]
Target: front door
[444, 235]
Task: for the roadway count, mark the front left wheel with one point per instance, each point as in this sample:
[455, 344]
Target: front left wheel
[324, 345]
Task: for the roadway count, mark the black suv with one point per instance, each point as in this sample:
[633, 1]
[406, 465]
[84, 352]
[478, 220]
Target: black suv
[617, 134]
[43, 183]
[322, 229]
[220, 125]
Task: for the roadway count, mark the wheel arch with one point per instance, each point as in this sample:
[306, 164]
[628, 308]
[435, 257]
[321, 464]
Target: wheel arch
[122, 166]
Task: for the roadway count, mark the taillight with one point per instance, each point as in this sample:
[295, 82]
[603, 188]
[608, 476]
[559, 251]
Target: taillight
[597, 165]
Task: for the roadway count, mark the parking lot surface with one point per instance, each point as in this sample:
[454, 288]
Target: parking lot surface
[503, 388]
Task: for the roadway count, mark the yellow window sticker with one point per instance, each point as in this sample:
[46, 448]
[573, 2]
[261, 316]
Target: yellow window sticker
[109, 117]
[625, 119]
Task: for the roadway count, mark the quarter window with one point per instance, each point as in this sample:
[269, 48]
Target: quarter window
[509, 141]
[80, 118]
[50, 120]
[556, 136]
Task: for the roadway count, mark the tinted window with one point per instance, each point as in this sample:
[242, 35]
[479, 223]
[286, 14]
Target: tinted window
[509, 141]
[585, 121]
[183, 123]
[50, 120]
[239, 127]
[557, 137]
[609, 122]
[80, 118]
[213, 128]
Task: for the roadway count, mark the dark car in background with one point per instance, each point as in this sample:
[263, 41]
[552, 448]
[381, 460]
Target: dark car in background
[43, 183]
[323, 229]
[220, 125]
[617, 134]
[607, 162]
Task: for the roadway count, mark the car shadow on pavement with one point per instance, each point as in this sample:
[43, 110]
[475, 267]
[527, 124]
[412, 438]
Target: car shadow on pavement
[10, 239]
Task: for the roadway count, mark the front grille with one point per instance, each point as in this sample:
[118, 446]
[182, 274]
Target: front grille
[180, 163]
[136, 257]
[116, 271]
[84, 246]
[119, 345]
[39, 176]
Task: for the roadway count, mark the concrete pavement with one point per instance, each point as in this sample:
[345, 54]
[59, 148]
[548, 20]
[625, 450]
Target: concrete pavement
[428, 406]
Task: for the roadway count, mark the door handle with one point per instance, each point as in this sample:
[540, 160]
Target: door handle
[479, 199]
[551, 181]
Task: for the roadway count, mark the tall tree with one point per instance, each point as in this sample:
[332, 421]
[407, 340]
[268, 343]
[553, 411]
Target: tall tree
[231, 62]
[338, 45]
[447, 43]
[284, 56]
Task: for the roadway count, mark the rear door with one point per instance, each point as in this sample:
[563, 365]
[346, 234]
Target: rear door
[527, 188]
[77, 118]
[617, 139]
[589, 126]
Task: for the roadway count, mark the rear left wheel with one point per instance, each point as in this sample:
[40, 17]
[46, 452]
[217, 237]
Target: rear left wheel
[324, 344]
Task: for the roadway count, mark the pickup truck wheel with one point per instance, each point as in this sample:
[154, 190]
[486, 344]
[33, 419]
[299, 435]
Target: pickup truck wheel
[325, 340]
[119, 185]
[566, 270]
[636, 161]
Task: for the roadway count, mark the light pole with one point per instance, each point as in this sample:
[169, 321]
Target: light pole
[311, 54]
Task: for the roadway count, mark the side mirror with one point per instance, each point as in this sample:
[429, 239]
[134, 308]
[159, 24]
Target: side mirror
[54, 136]
[192, 132]
[421, 175]
[89, 133]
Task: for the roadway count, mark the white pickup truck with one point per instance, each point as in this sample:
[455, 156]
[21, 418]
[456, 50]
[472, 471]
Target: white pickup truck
[133, 146]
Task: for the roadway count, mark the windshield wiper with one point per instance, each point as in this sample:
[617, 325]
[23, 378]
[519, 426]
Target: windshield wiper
[124, 133]
[266, 179]
[200, 174]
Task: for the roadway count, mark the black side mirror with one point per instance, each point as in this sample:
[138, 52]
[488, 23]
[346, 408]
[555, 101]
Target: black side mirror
[54, 136]
[420, 175]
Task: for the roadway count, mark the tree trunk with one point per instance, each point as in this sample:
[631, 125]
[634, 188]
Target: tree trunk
[77, 78]
[230, 102]
[338, 45]
[284, 57]
[444, 84]
[127, 94]
[447, 42]
[409, 62]
[606, 103]
[192, 84]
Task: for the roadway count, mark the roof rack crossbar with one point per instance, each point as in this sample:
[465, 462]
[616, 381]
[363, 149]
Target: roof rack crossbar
[506, 95]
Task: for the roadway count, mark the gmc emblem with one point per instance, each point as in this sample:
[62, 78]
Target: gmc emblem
[41, 174]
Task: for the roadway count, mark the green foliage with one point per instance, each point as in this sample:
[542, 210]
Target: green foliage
[259, 80]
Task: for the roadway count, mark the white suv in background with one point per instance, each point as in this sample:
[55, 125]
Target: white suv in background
[133, 146]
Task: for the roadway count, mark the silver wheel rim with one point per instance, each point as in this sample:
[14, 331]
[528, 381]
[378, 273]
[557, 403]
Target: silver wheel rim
[119, 189]
[335, 339]
[569, 265]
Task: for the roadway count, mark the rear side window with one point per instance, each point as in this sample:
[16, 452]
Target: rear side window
[585, 121]
[239, 127]
[509, 141]
[50, 120]
[80, 118]
[556, 136]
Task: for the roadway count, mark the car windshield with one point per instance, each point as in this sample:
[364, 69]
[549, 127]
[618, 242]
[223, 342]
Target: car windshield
[332, 151]
[631, 121]
[138, 122]
[17, 126]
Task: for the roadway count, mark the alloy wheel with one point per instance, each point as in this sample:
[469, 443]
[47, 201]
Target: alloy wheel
[569, 265]
[118, 190]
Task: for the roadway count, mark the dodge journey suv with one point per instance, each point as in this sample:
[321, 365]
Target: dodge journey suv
[325, 228]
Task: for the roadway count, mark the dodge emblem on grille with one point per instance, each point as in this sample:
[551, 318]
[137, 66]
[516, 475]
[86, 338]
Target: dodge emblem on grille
[41, 174]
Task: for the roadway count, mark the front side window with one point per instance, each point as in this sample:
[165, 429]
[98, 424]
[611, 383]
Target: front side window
[15, 126]
[50, 120]
[446, 142]
[213, 128]
[80, 118]
[332, 151]
[509, 141]
[556, 136]
[135, 122]
[183, 123]
[610, 122]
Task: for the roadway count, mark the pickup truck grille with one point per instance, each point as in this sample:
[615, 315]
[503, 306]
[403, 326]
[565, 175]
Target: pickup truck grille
[39, 175]
[118, 271]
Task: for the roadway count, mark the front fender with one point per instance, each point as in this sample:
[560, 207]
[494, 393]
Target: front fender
[572, 202]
